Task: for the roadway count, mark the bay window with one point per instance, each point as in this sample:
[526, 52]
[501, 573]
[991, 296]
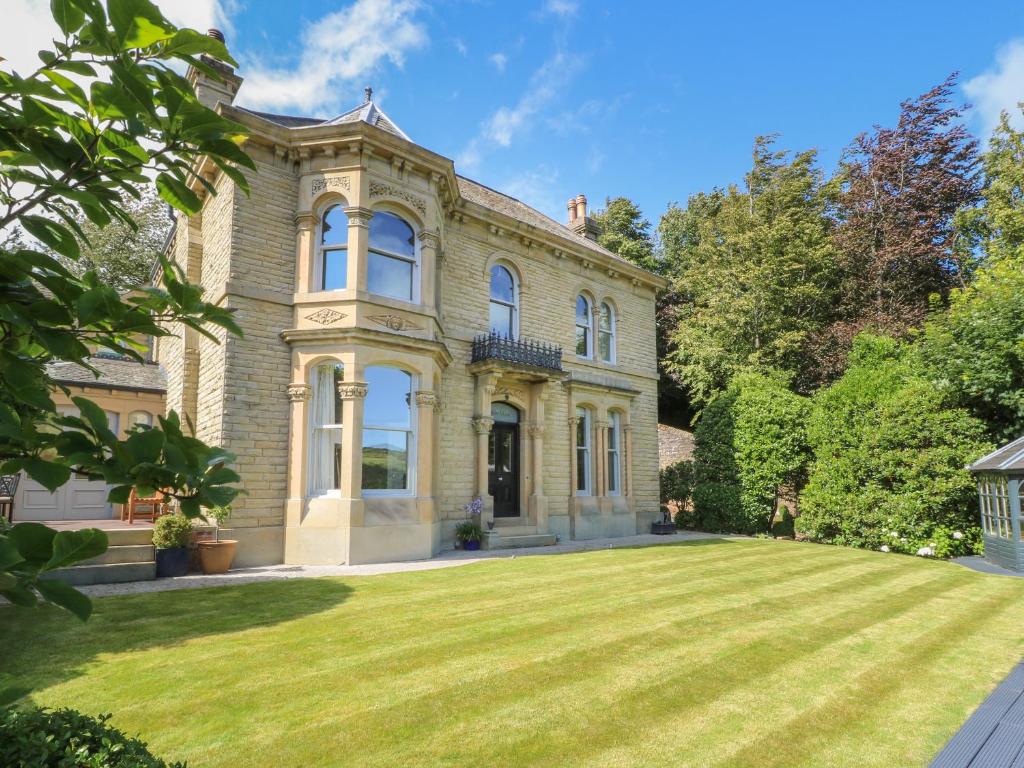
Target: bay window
[583, 470]
[388, 432]
[614, 454]
[333, 262]
[325, 420]
[391, 265]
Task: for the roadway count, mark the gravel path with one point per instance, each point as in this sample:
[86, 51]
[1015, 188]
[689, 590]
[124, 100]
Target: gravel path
[449, 559]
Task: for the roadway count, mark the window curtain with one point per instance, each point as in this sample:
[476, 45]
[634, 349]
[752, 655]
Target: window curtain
[321, 443]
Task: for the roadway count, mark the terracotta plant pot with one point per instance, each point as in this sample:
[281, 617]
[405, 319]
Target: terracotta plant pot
[216, 556]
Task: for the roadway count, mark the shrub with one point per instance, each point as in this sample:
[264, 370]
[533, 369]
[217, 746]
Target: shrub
[677, 490]
[172, 531]
[750, 441]
[889, 457]
[468, 530]
[64, 738]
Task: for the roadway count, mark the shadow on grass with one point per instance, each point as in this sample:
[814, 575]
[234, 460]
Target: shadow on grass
[44, 646]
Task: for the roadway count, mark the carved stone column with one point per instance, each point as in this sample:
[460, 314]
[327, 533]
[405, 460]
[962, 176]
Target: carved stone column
[601, 457]
[426, 413]
[305, 253]
[573, 479]
[482, 426]
[429, 246]
[627, 430]
[358, 242]
[298, 395]
[352, 394]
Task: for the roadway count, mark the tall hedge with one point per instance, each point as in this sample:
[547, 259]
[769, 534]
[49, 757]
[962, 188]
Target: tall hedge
[889, 455]
[750, 442]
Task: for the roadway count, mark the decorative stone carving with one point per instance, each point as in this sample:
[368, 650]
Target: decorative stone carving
[379, 189]
[482, 424]
[430, 239]
[395, 323]
[535, 430]
[297, 393]
[352, 390]
[326, 316]
[342, 182]
[510, 393]
[426, 398]
[573, 421]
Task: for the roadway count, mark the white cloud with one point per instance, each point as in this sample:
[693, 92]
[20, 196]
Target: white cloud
[337, 49]
[460, 46]
[999, 88]
[499, 60]
[563, 8]
[537, 188]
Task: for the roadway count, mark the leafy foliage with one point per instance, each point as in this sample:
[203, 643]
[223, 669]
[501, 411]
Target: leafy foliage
[676, 481]
[171, 531]
[750, 442]
[78, 136]
[889, 454]
[468, 530]
[65, 738]
[626, 232]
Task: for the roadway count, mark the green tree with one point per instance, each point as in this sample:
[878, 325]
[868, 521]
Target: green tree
[753, 272]
[750, 443]
[625, 231]
[888, 454]
[105, 111]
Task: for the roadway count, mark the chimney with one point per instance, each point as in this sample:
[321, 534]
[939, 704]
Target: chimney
[209, 90]
[579, 222]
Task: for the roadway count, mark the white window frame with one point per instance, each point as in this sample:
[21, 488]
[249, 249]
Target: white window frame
[589, 326]
[321, 250]
[412, 437]
[611, 333]
[583, 417]
[314, 377]
[415, 260]
[614, 458]
[514, 306]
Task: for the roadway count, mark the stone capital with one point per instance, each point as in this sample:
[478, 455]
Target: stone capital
[482, 424]
[358, 217]
[298, 393]
[573, 421]
[352, 390]
[426, 398]
[430, 239]
[535, 430]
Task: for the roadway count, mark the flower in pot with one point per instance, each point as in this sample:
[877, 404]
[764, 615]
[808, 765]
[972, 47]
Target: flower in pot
[468, 534]
[216, 556]
[171, 534]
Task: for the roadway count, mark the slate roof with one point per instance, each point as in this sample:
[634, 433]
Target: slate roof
[1009, 458]
[368, 112]
[114, 374]
[288, 121]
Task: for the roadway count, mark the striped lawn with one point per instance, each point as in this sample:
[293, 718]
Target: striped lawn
[709, 653]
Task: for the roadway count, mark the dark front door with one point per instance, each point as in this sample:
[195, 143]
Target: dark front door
[503, 480]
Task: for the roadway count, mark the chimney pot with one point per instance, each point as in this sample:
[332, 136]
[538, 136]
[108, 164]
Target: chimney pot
[216, 34]
[581, 207]
[572, 210]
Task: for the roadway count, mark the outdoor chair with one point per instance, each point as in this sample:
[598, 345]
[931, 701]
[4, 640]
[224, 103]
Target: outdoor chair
[8, 487]
[147, 508]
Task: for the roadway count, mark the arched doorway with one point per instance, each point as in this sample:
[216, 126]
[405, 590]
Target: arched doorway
[503, 460]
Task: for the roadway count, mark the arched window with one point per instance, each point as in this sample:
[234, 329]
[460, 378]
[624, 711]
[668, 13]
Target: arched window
[325, 422]
[504, 302]
[392, 257]
[334, 249]
[583, 472]
[584, 324]
[614, 454]
[140, 417]
[388, 431]
[606, 333]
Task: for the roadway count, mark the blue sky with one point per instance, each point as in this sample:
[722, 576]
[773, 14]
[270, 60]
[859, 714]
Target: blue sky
[545, 99]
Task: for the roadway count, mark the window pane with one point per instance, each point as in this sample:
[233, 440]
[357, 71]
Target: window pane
[388, 398]
[581, 470]
[582, 311]
[501, 319]
[606, 317]
[334, 229]
[613, 472]
[389, 233]
[335, 269]
[385, 460]
[502, 284]
[389, 277]
[582, 341]
[604, 344]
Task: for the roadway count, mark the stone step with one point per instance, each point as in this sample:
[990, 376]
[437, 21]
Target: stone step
[515, 530]
[117, 537]
[529, 540]
[110, 573]
[123, 553]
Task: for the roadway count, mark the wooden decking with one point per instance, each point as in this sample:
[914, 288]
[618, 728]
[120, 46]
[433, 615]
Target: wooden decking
[992, 737]
[106, 524]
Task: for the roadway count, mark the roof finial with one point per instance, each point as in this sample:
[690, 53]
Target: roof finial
[369, 94]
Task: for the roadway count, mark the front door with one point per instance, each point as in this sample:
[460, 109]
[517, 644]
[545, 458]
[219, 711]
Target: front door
[503, 479]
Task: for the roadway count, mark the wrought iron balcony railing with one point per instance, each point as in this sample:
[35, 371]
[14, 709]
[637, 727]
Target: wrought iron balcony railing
[494, 346]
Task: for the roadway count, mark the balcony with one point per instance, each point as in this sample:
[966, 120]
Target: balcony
[535, 354]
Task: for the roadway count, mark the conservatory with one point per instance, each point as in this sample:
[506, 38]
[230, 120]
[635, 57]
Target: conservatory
[1000, 477]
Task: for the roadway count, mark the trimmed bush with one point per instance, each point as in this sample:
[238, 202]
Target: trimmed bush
[172, 531]
[65, 738]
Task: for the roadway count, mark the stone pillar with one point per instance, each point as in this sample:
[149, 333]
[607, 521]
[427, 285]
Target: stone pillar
[358, 242]
[426, 405]
[352, 394]
[429, 248]
[600, 457]
[482, 426]
[305, 253]
[573, 479]
[627, 459]
[298, 395]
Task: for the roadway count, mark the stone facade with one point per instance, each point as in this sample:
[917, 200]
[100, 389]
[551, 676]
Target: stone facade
[259, 254]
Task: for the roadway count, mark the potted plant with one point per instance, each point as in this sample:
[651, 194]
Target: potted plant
[216, 556]
[171, 534]
[469, 535]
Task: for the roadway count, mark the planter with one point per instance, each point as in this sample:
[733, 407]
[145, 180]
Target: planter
[216, 556]
[471, 546]
[171, 562]
[663, 529]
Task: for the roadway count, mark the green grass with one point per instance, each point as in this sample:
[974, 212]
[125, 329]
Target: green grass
[717, 653]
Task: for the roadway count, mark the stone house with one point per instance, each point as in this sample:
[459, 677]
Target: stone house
[413, 339]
